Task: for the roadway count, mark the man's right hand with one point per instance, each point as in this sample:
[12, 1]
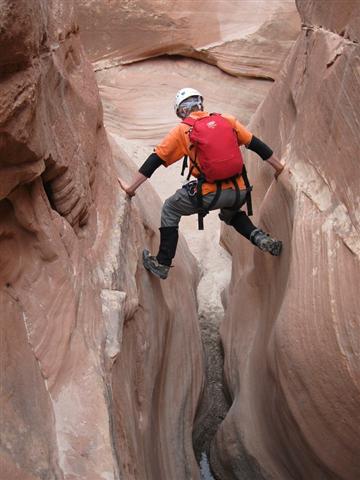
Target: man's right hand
[279, 170]
[126, 188]
[277, 165]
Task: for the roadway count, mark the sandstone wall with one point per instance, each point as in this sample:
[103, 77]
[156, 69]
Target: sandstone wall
[244, 38]
[97, 379]
[292, 356]
[101, 364]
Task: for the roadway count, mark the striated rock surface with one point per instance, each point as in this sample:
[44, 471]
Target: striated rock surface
[243, 38]
[292, 356]
[101, 365]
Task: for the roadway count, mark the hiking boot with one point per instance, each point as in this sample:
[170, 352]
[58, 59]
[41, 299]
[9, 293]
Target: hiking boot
[152, 265]
[267, 244]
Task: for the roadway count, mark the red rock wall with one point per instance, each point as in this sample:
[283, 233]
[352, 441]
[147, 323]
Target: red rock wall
[244, 38]
[292, 356]
[101, 365]
[91, 347]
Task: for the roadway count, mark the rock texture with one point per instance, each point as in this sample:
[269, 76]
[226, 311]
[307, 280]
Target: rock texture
[243, 38]
[101, 365]
[292, 357]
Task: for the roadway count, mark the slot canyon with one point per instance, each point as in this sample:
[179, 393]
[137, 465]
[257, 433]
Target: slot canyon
[240, 365]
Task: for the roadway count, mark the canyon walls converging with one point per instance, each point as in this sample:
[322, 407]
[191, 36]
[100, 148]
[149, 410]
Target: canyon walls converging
[108, 373]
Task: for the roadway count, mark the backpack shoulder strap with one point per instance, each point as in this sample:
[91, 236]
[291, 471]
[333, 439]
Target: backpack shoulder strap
[189, 121]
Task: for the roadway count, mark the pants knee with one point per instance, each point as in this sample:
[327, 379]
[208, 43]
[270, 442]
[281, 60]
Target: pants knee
[169, 216]
[227, 216]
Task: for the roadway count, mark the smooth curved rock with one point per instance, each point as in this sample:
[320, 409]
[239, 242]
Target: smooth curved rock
[243, 38]
[292, 357]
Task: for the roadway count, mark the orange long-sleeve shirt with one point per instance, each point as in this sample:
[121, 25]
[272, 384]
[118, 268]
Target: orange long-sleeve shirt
[176, 144]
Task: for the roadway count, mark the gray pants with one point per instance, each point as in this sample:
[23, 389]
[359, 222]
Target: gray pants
[181, 204]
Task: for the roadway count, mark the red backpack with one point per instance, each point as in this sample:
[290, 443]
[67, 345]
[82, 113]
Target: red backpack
[217, 155]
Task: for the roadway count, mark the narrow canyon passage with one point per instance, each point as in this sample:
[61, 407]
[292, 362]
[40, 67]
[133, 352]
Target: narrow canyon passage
[108, 372]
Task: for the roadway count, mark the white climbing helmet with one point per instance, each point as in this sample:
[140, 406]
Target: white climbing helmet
[184, 94]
